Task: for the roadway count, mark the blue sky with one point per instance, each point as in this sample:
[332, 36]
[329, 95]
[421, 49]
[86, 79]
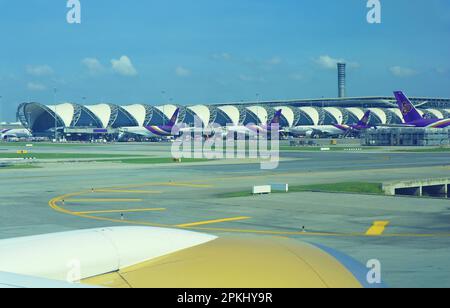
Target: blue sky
[210, 51]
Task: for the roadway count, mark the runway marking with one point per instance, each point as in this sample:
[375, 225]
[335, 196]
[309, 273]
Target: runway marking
[101, 200]
[191, 185]
[121, 211]
[194, 184]
[209, 222]
[377, 228]
[128, 191]
[53, 203]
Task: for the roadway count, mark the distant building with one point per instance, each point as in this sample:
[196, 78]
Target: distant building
[408, 136]
[42, 119]
[341, 79]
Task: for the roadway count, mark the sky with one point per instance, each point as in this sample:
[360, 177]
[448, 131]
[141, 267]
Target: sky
[216, 51]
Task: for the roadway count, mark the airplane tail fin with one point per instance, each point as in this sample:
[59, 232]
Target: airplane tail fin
[365, 119]
[276, 119]
[174, 118]
[410, 113]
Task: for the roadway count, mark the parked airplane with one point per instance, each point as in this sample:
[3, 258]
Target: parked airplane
[6, 162]
[154, 130]
[254, 129]
[315, 130]
[413, 118]
[363, 124]
[331, 130]
[169, 130]
[15, 133]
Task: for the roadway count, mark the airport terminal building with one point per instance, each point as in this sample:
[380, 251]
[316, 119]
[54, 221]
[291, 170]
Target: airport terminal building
[42, 119]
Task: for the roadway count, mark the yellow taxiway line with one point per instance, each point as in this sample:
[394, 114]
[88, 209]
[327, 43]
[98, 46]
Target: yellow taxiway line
[186, 185]
[209, 222]
[194, 184]
[102, 200]
[54, 204]
[377, 228]
[128, 191]
[121, 211]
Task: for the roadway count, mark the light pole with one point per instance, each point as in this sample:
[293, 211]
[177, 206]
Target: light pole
[171, 103]
[56, 114]
[257, 107]
[163, 94]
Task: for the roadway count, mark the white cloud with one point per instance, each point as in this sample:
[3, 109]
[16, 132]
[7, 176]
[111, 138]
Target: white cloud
[275, 61]
[222, 56]
[124, 66]
[93, 65]
[399, 71]
[39, 70]
[182, 72]
[33, 86]
[328, 62]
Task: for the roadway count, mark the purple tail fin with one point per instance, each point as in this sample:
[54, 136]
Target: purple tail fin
[174, 118]
[365, 119]
[410, 113]
[276, 119]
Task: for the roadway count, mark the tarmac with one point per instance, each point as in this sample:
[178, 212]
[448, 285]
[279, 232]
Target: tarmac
[412, 245]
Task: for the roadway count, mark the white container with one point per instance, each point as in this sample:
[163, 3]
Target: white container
[259, 190]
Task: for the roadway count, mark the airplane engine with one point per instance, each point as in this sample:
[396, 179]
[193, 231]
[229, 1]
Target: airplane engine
[309, 134]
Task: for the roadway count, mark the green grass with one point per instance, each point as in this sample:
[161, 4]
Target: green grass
[236, 194]
[126, 159]
[45, 144]
[149, 161]
[346, 187]
[319, 148]
[427, 150]
[63, 155]
[21, 166]
[307, 149]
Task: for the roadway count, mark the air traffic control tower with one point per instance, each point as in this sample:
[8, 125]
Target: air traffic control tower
[341, 79]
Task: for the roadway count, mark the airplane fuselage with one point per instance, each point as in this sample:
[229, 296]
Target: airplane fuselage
[354, 127]
[149, 131]
[14, 133]
[413, 118]
[250, 130]
[316, 130]
[430, 123]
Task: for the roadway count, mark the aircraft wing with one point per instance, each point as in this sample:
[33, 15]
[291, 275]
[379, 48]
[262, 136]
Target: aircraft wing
[16, 281]
[143, 257]
[203, 131]
[83, 254]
